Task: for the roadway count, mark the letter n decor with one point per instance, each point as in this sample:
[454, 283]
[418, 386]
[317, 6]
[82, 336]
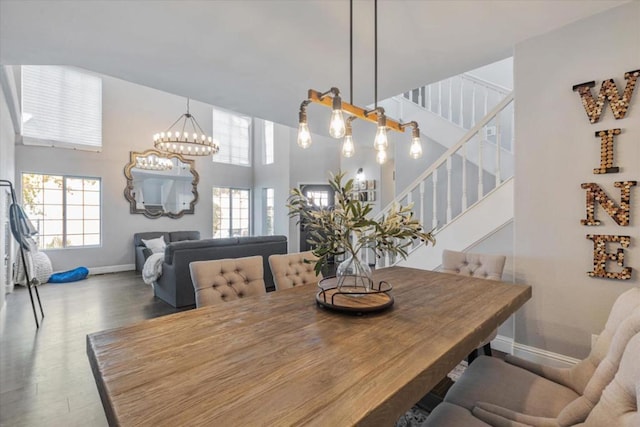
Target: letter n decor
[601, 256]
[620, 214]
[608, 92]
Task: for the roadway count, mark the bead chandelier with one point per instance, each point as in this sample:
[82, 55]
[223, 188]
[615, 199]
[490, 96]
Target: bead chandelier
[186, 138]
[339, 128]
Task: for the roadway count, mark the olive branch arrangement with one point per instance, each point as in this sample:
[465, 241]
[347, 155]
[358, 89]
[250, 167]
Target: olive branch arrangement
[346, 228]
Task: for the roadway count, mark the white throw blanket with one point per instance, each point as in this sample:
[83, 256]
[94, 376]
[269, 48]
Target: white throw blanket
[152, 268]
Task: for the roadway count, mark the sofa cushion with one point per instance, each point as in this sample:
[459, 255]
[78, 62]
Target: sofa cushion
[195, 244]
[137, 237]
[156, 245]
[249, 240]
[177, 236]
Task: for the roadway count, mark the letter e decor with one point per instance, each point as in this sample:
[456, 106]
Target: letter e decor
[601, 256]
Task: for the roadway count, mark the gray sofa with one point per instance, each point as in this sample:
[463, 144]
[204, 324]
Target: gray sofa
[169, 236]
[175, 286]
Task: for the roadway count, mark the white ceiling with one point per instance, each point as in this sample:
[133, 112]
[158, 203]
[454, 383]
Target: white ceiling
[259, 57]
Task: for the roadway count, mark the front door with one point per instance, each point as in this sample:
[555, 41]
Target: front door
[322, 196]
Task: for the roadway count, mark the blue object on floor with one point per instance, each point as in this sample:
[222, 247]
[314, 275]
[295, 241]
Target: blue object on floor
[74, 275]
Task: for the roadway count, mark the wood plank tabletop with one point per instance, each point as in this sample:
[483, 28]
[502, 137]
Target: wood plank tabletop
[278, 359]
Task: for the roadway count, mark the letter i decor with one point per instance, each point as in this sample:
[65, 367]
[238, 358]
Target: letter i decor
[621, 213]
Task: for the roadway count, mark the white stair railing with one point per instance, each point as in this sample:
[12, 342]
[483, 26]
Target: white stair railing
[459, 99]
[447, 188]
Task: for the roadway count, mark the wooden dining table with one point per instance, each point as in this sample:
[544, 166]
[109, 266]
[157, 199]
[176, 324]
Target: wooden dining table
[281, 360]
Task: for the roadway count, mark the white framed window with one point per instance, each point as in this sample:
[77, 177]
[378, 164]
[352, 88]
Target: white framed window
[231, 212]
[61, 107]
[232, 131]
[66, 210]
[269, 137]
[268, 197]
[318, 198]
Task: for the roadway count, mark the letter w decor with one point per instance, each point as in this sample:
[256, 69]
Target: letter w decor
[608, 92]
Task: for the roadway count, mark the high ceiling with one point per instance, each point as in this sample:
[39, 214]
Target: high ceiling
[259, 57]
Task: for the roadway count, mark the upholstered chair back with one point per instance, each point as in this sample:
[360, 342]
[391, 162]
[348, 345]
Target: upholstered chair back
[619, 403]
[221, 280]
[475, 265]
[293, 270]
[579, 375]
[579, 409]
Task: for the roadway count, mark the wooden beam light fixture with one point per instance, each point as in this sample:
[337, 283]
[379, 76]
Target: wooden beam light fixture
[338, 128]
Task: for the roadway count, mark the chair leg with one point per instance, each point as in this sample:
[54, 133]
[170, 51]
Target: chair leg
[29, 285]
[487, 349]
[35, 288]
[33, 305]
[472, 356]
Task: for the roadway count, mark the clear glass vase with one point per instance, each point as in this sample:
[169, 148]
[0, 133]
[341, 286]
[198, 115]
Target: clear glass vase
[354, 276]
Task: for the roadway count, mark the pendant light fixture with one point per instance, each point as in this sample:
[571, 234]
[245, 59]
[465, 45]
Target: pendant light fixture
[339, 127]
[185, 138]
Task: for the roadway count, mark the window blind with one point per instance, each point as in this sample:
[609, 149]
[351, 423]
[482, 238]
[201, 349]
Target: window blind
[61, 107]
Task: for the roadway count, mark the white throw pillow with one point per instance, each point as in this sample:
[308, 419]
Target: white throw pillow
[156, 245]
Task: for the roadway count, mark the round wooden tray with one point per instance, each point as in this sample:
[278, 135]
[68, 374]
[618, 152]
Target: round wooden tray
[353, 300]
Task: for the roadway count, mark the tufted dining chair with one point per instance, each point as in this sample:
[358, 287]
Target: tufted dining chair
[475, 265]
[545, 391]
[221, 280]
[521, 398]
[616, 403]
[291, 270]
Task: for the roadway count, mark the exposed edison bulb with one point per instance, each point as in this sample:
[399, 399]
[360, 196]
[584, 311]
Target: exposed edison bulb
[415, 152]
[337, 126]
[381, 143]
[381, 156]
[304, 136]
[347, 146]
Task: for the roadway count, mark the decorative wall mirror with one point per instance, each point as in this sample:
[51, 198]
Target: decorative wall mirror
[161, 184]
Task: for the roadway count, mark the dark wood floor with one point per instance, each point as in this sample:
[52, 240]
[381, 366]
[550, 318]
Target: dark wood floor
[45, 378]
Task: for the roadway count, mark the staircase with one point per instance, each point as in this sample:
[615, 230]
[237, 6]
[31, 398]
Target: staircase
[471, 184]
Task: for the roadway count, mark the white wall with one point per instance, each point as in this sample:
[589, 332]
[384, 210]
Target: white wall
[131, 115]
[500, 243]
[556, 152]
[7, 153]
[275, 175]
[500, 73]
[310, 166]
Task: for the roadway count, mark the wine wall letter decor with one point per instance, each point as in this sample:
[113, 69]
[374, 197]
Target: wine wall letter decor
[608, 92]
[621, 213]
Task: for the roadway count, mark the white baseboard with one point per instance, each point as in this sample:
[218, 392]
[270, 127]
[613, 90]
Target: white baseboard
[503, 344]
[543, 356]
[533, 354]
[111, 269]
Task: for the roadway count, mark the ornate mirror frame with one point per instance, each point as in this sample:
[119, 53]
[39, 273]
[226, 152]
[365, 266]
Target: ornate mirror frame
[157, 213]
